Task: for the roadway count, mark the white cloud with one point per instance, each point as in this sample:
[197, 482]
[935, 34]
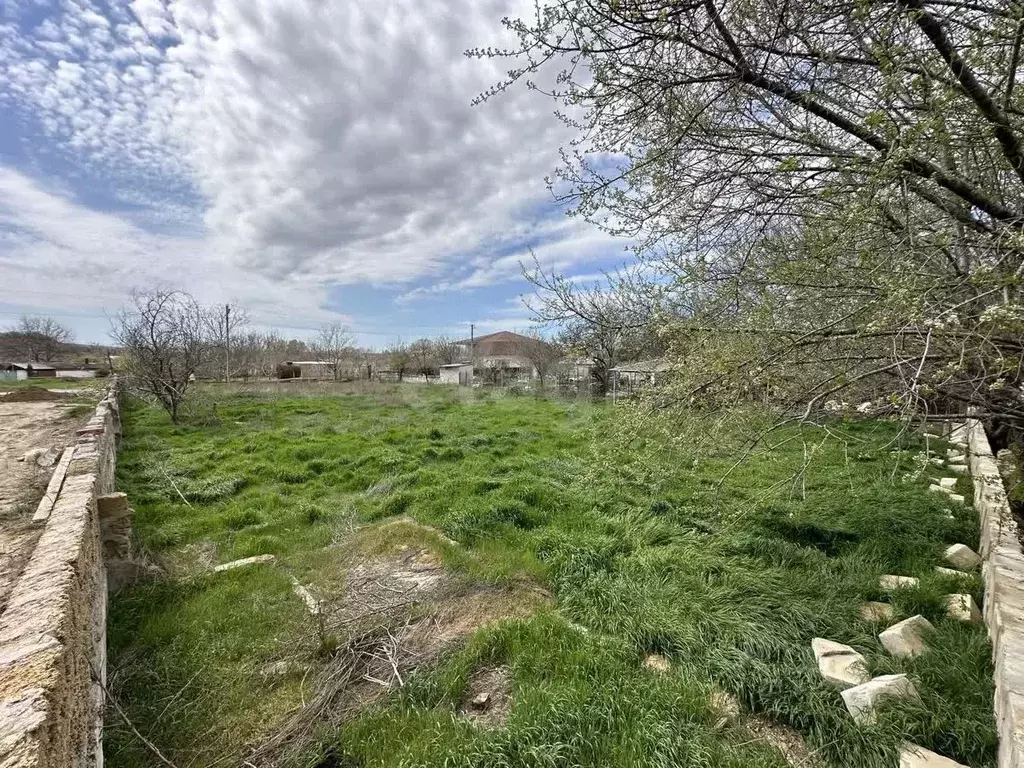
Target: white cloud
[330, 141]
[53, 249]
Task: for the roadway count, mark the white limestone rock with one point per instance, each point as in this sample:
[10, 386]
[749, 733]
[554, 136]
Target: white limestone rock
[957, 498]
[948, 482]
[890, 582]
[48, 458]
[839, 664]
[936, 488]
[955, 456]
[657, 663]
[951, 572]
[962, 557]
[913, 756]
[964, 608]
[960, 469]
[876, 612]
[862, 701]
[906, 638]
[32, 454]
[245, 561]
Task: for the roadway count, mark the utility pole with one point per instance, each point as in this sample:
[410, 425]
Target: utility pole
[227, 343]
[472, 329]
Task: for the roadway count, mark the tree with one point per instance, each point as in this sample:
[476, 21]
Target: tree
[424, 357]
[542, 354]
[602, 323]
[446, 350]
[39, 338]
[164, 341]
[866, 159]
[332, 345]
[399, 358]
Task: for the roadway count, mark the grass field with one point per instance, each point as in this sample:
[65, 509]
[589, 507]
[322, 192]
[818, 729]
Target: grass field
[728, 580]
[11, 384]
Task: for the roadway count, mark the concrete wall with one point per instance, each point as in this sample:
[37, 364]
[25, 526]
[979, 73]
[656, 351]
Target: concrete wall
[53, 630]
[76, 374]
[1003, 573]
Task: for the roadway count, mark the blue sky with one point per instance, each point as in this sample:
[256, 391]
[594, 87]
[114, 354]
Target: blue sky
[310, 160]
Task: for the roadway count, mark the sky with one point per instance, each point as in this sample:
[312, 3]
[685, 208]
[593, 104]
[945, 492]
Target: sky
[311, 161]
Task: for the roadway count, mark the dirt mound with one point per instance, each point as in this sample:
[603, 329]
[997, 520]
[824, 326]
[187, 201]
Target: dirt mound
[30, 395]
[397, 611]
[488, 697]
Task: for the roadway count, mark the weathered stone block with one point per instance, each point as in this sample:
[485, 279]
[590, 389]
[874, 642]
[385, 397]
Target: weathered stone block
[657, 662]
[246, 561]
[839, 664]
[960, 469]
[112, 505]
[947, 482]
[962, 557]
[890, 582]
[862, 701]
[913, 756]
[907, 637]
[951, 572]
[964, 608]
[876, 612]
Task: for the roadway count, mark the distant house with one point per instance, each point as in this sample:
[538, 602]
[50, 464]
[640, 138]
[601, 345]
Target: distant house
[86, 370]
[21, 371]
[503, 351]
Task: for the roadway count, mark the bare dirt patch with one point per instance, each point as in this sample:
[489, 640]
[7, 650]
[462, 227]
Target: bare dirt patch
[32, 435]
[488, 697]
[398, 611]
[760, 728]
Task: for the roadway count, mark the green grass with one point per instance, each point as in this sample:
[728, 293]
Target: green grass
[7, 385]
[647, 552]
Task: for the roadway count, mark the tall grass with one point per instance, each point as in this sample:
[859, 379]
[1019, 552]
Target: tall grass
[730, 580]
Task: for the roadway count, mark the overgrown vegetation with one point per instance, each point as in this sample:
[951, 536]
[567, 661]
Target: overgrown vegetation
[826, 199]
[729, 580]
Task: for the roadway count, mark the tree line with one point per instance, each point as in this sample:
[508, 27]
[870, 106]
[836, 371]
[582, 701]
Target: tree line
[35, 339]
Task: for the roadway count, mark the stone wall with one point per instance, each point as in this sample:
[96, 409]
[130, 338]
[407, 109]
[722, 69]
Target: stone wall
[53, 630]
[1003, 572]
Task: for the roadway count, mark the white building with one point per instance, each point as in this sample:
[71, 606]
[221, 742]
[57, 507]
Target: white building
[457, 373]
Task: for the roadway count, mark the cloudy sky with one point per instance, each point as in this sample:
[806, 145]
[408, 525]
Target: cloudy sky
[309, 160]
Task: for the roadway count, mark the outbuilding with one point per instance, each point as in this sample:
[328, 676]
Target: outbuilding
[457, 373]
[21, 371]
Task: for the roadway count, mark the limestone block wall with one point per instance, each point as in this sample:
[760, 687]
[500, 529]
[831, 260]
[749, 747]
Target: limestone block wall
[1003, 573]
[53, 630]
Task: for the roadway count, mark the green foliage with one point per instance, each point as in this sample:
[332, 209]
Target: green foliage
[643, 545]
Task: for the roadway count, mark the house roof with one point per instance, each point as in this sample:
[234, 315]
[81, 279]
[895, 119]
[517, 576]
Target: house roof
[657, 365]
[26, 366]
[502, 343]
[455, 365]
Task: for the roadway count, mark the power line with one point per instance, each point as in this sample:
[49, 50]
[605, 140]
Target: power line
[282, 321]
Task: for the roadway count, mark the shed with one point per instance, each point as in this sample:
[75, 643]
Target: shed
[20, 371]
[457, 373]
[315, 369]
[630, 376]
